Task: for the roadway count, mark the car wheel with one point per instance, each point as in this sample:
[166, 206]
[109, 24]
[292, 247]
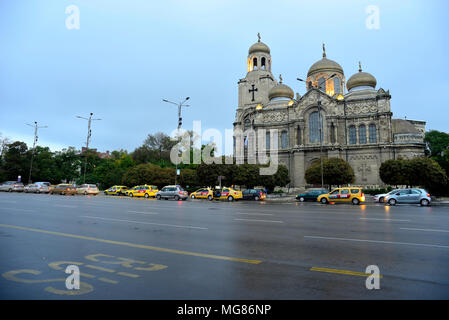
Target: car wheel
[10, 190]
[158, 197]
[230, 198]
[323, 200]
[381, 200]
[177, 198]
[355, 201]
[301, 199]
[209, 197]
[256, 198]
[62, 193]
[192, 196]
[146, 195]
[85, 193]
[392, 202]
[131, 195]
[424, 202]
[38, 191]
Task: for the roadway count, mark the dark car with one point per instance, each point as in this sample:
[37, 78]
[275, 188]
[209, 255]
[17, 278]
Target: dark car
[311, 195]
[254, 194]
[64, 189]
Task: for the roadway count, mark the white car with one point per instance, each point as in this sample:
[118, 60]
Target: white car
[381, 197]
[87, 189]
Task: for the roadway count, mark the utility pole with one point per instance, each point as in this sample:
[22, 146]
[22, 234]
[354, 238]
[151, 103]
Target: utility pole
[36, 127]
[179, 105]
[89, 134]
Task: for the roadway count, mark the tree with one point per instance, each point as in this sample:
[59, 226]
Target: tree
[436, 142]
[148, 174]
[427, 173]
[394, 172]
[336, 172]
[16, 161]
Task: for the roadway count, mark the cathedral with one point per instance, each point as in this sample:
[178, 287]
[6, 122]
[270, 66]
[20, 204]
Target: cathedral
[355, 125]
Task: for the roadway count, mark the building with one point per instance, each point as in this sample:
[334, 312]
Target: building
[355, 125]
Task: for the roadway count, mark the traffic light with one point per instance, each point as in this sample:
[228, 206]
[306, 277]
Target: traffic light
[180, 122]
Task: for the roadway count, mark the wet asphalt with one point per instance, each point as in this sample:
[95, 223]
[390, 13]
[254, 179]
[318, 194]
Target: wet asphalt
[148, 249]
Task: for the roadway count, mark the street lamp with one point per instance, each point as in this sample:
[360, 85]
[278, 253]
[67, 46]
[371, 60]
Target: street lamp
[34, 145]
[180, 105]
[89, 133]
[321, 127]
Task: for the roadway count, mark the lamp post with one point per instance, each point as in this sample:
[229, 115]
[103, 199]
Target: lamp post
[34, 146]
[89, 134]
[179, 105]
[320, 126]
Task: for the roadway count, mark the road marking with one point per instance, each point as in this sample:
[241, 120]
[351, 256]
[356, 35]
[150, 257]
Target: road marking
[380, 241]
[17, 209]
[255, 214]
[99, 268]
[126, 274]
[272, 221]
[383, 219]
[142, 212]
[347, 272]
[108, 280]
[64, 206]
[134, 245]
[142, 222]
[432, 230]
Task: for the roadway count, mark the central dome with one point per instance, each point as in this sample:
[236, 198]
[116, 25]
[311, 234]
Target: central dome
[280, 91]
[325, 65]
[259, 47]
[360, 79]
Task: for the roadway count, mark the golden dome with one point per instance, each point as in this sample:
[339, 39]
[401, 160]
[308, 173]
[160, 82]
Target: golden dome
[325, 65]
[361, 79]
[259, 47]
[281, 91]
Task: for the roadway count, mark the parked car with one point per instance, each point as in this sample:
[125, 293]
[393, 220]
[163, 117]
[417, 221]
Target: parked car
[30, 188]
[311, 195]
[12, 186]
[116, 190]
[44, 187]
[64, 189]
[174, 192]
[254, 194]
[203, 193]
[412, 195]
[380, 197]
[87, 189]
[348, 194]
[227, 194]
[143, 191]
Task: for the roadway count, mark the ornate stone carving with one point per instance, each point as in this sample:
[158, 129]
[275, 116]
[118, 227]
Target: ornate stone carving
[273, 117]
[364, 157]
[361, 108]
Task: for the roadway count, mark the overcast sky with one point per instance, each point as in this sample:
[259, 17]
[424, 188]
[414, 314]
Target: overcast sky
[129, 55]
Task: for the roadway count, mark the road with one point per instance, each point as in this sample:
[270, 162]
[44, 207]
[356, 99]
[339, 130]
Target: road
[149, 249]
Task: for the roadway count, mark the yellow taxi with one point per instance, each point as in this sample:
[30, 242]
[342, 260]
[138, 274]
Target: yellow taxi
[347, 194]
[227, 194]
[142, 191]
[116, 190]
[203, 193]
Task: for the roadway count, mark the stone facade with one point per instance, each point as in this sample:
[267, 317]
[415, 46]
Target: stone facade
[357, 125]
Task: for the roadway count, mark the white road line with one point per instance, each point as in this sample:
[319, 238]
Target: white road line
[272, 221]
[142, 212]
[384, 219]
[379, 241]
[255, 214]
[141, 222]
[64, 206]
[18, 209]
[432, 230]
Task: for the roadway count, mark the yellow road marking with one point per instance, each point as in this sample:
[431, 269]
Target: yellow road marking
[134, 245]
[126, 274]
[347, 272]
[108, 280]
[99, 268]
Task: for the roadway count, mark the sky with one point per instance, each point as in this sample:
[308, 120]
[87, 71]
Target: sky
[128, 55]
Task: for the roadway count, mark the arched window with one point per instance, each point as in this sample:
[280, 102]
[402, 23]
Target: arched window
[322, 84]
[352, 135]
[314, 127]
[298, 136]
[337, 88]
[246, 124]
[362, 134]
[309, 85]
[262, 63]
[255, 63]
[284, 140]
[267, 140]
[372, 133]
